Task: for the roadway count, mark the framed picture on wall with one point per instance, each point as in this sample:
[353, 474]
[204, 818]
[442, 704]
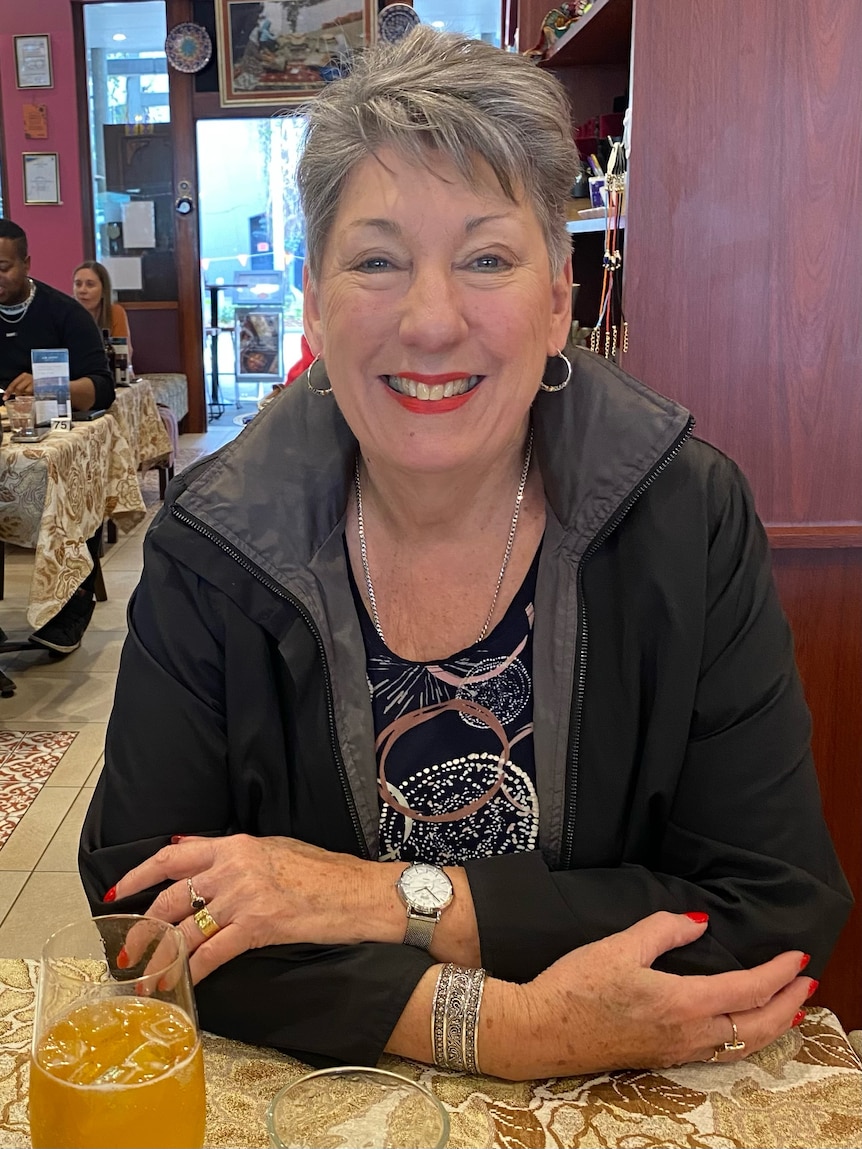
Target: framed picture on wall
[33, 62]
[258, 335]
[284, 51]
[41, 177]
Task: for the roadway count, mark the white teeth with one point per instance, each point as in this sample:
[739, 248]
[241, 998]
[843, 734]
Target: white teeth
[416, 390]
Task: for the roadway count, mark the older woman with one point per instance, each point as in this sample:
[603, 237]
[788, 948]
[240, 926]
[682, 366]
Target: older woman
[458, 716]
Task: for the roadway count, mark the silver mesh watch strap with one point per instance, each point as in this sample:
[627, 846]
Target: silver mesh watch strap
[420, 929]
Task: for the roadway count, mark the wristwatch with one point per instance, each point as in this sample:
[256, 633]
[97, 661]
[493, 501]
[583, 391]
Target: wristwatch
[426, 892]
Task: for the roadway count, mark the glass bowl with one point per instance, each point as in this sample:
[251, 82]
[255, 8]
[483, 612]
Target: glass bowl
[356, 1108]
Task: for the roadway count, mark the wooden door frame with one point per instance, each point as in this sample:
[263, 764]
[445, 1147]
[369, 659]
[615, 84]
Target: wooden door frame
[186, 237]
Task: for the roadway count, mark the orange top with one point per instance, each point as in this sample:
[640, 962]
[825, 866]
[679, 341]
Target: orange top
[120, 325]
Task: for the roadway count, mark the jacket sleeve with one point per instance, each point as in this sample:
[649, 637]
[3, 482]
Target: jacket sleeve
[175, 764]
[86, 354]
[736, 827]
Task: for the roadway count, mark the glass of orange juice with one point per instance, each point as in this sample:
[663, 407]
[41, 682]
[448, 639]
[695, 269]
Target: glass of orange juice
[116, 1057]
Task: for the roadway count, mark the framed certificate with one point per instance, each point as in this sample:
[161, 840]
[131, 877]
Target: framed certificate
[41, 177]
[33, 62]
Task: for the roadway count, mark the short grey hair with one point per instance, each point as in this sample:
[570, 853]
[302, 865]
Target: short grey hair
[440, 92]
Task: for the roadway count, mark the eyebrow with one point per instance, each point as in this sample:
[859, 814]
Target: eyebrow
[385, 225]
[391, 228]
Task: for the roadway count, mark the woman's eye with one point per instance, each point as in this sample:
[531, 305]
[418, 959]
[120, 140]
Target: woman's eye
[374, 263]
[488, 263]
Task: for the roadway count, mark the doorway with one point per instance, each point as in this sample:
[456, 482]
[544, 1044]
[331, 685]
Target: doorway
[252, 245]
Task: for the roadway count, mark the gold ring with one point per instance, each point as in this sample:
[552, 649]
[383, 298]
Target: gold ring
[206, 923]
[198, 903]
[733, 1046]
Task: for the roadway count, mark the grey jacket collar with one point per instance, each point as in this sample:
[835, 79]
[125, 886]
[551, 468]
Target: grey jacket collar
[279, 490]
[278, 495]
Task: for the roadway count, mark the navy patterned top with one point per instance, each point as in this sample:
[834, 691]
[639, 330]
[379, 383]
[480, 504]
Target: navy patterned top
[454, 739]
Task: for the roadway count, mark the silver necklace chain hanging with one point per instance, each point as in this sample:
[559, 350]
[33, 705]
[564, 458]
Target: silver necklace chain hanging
[510, 542]
[16, 312]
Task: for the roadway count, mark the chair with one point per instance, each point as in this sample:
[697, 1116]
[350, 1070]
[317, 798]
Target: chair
[7, 686]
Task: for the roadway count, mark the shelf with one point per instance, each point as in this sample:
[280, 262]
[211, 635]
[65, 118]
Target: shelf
[603, 36]
[577, 226]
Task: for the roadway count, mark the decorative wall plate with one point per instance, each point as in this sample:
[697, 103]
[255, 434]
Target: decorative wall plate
[396, 21]
[188, 47]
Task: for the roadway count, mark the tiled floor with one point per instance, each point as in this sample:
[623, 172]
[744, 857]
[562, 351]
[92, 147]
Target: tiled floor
[39, 885]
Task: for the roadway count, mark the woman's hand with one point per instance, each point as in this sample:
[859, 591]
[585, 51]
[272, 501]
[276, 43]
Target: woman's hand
[602, 1007]
[266, 891]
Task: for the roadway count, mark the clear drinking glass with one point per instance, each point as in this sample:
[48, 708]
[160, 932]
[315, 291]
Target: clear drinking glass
[354, 1108]
[116, 1057]
[21, 414]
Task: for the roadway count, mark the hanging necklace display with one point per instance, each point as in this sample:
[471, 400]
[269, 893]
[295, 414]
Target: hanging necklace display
[510, 542]
[611, 324]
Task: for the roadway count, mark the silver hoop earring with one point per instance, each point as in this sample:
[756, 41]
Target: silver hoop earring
[568, 369]
[317, 390]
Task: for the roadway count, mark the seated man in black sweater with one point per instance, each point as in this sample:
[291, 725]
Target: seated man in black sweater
[32, 314]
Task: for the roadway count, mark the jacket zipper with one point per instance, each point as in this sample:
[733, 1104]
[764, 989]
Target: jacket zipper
[273, 586]
[583, 636]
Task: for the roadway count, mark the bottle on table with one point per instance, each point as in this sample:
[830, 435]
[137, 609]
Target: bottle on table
[109, 352]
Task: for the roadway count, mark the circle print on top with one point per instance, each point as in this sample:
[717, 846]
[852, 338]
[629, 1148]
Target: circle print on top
[396, 21]
[188, 47]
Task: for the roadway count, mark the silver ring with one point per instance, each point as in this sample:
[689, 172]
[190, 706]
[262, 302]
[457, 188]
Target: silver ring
[733, 1046]
[198, 903]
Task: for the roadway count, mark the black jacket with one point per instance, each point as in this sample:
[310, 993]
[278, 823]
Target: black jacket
[671, 734]
[54, 319]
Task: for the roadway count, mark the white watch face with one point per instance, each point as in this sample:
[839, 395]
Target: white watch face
[426, 888]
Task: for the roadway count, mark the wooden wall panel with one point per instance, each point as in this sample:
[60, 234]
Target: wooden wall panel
[821, 591]
[743, 287]
[743, 292]
[155, 332]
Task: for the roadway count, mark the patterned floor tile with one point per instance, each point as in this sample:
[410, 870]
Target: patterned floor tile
[9, 739]
[27, 760]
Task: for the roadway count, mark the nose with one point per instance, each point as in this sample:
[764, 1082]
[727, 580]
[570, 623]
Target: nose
[432, 311]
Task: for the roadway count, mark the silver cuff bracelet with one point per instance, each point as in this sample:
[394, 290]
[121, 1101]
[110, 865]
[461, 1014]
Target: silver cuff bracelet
[455, 1018]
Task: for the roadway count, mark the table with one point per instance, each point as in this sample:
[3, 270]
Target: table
[56, 494]
[804, 1090]
[138, 416]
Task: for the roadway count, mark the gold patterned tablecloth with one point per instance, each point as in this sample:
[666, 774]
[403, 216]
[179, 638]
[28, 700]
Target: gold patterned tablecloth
[54, 495]
[804, 1090]
[142, 427]
[171, 390]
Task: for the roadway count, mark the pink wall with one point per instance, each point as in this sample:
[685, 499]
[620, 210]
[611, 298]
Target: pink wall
[54, 232]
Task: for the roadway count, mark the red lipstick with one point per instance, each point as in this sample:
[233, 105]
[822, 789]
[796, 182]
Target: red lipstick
[432, 406]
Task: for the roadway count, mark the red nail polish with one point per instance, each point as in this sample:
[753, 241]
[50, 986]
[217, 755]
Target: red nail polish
[177, 838]
[812, 988]
[799, 1018]
[111, 895]
[804, 960]
[698, 916]
[123, 958]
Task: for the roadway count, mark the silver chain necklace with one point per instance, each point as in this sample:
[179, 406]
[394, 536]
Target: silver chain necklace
[510, 542]
[18, 310]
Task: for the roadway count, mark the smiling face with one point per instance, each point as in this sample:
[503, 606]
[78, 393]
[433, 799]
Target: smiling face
[87, 288]
[434, 312]
[14, 272]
